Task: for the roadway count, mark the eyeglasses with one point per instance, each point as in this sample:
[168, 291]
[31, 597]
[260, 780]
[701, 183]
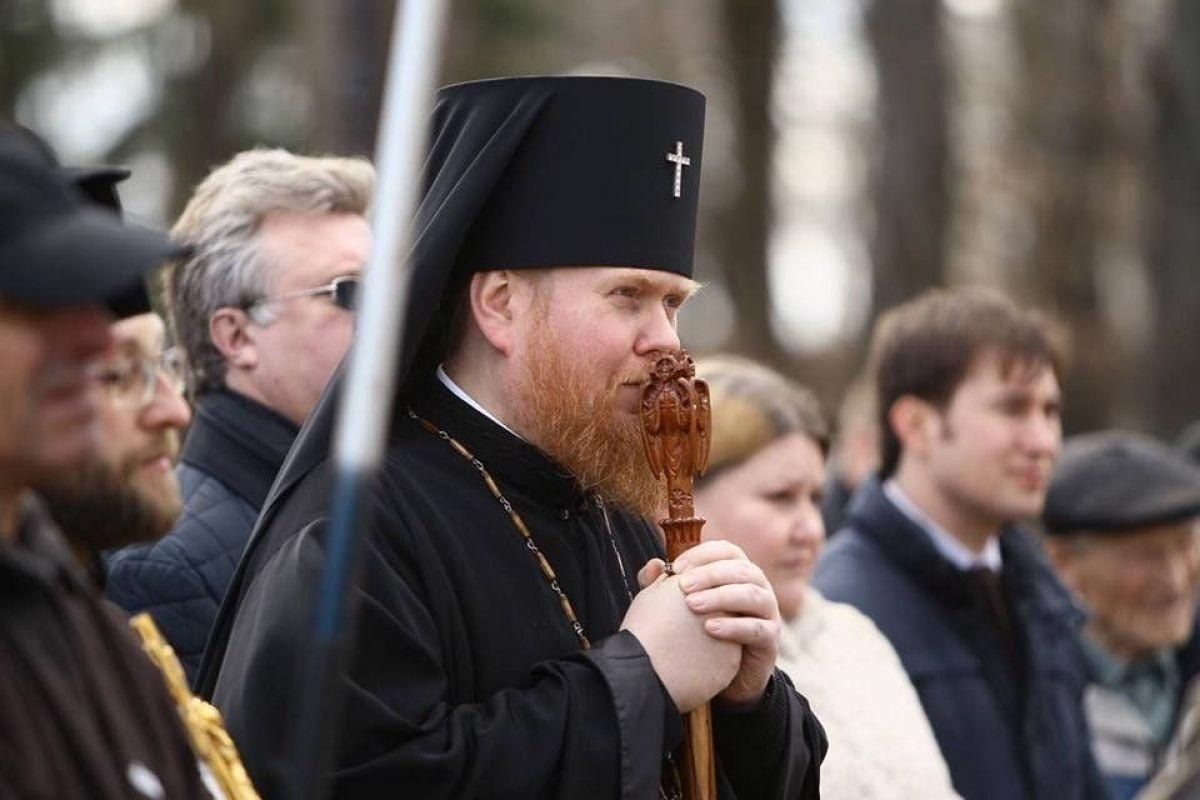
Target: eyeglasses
[342, 292]
[133, 382]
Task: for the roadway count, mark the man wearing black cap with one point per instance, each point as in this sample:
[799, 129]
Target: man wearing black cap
[517, 637]
[125, 491]
[1121, 517]
[82, 711]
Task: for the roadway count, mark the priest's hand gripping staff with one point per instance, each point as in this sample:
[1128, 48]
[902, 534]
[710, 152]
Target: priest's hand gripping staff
[677, 431]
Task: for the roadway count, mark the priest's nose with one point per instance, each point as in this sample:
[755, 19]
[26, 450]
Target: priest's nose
[657, 334]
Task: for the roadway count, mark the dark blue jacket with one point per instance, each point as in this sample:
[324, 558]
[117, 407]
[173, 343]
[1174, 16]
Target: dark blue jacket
[1006, 732]
[233, 450]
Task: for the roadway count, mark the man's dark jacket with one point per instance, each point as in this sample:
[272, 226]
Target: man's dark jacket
[1006, 733]
[232, 453]
[83, 711]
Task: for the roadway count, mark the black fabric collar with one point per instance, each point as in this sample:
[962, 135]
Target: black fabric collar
[240, 442]
[1025, 575]
[515, 463]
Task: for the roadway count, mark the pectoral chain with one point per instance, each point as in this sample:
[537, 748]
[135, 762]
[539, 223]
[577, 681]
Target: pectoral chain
[669, 788]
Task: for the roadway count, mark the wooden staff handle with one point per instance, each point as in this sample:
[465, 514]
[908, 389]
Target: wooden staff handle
[676, 433]
[698, 763]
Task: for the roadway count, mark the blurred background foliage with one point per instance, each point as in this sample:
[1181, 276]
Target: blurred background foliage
[857, 151]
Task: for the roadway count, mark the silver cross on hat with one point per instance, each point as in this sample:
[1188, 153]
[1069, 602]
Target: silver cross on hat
[680, 161]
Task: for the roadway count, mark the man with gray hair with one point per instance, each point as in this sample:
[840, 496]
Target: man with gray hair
[263, 308]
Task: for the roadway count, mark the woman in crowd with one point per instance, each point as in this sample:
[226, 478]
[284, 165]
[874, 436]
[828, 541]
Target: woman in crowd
[762, 491]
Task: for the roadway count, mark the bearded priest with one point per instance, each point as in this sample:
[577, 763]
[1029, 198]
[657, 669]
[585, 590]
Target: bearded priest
[518, 636]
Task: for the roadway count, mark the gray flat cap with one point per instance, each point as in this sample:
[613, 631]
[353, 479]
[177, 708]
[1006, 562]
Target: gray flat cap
[1115, 481]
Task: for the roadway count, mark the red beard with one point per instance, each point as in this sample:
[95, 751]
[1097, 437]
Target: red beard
[584, 432]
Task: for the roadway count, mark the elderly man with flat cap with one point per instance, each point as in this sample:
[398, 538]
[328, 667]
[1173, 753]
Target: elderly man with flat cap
[518, 637]
[1121, 518]
[83, 713]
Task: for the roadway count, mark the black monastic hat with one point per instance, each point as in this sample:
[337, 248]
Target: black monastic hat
[531, 172]
[1115, 482]
[551, 172]
[57, 248]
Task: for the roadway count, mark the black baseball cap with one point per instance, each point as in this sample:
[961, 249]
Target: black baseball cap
[98, 184]
[57, 248]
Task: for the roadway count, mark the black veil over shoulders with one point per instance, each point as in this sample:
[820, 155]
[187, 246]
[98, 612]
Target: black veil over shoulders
[530, 172]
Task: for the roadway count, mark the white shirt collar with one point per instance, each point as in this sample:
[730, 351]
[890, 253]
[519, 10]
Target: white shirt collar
[944, 542]
[461, 394]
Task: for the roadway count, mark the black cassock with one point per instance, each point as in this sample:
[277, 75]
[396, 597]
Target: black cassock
[467, 680]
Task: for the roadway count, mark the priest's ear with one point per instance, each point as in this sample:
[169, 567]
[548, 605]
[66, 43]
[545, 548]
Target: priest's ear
[231, 333]
[499, 301]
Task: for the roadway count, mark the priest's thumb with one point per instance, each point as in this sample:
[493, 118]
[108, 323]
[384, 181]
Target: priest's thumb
[655, 568]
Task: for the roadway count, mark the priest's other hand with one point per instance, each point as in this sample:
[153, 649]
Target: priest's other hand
[739, 605]
[692, 664]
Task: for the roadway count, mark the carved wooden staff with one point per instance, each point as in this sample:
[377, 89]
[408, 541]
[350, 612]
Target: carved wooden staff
[677, 431]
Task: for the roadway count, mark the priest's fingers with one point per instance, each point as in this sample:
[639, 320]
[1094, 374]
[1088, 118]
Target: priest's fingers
[746, 689]
[755, 633]
[652, 571]
[735, 599]
[759, 639]
[707, 552]
[720, 573]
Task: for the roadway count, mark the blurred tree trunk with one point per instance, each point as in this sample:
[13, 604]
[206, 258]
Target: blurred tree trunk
[1173, 222]
[347, 49]
[29, 44]
[743, 223]
[200, 119]
[910, 184]
[1067, 152]
[348, 45]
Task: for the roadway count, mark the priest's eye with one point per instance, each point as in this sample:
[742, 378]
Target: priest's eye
[626, 292]
[674, 301]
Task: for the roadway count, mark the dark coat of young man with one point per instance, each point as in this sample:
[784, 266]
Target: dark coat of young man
[470, 677]
[934, 555]
[83, 712]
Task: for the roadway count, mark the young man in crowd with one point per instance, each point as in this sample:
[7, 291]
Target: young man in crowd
[933, 552]
[518, 637]
[263, 308]
[1121, 522]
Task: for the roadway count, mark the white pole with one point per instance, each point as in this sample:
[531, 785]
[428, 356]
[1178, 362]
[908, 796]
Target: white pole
[370, 379]
[403, 130]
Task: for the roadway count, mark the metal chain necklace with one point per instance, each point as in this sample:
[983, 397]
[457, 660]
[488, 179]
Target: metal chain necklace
[671, 782]
[522, 528]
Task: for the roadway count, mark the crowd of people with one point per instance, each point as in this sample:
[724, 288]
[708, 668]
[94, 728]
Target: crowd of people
[938, 598]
